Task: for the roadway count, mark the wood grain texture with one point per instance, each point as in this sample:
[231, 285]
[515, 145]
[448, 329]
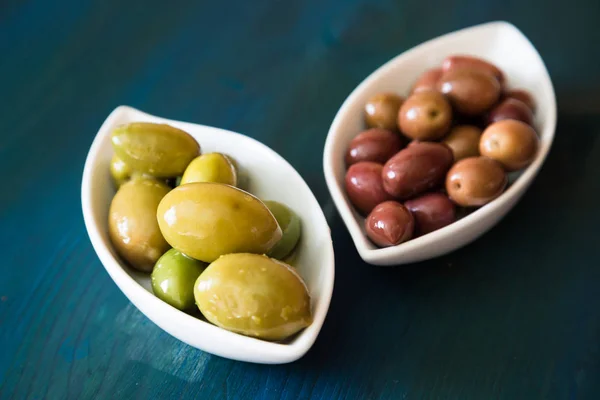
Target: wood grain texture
[515, 315]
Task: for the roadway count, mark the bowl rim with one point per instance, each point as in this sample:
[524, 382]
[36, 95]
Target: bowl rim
[381, 256]
[249, 349]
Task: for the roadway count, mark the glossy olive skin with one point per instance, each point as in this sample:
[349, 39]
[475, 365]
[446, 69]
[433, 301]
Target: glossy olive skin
[389, 224]
[475, 181]
[463, 140]
[132, 225]
[511, 109]
[469, 62]
[173, 279]
[381, 111]
[210, 167]
[427, 81]
[431, 211]
[290, 224]
[522, 95]
[159, 150]
[416, 169]
[207, 220]
[254, 295]
[425, 115]
[510, 142]
[364, 186]
[375, 144]
[119, 171]
[470, 91]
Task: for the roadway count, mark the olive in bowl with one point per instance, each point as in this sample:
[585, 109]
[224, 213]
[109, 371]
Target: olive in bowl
[463, 140]
[389, 224]
[381, 110]
[510, 142]
[364, 186]
[431, 211]
[471, 91]
[511, 108]
[375, 144]
[425, 115]
[475, 181]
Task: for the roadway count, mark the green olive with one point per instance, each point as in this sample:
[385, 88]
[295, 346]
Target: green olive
[119, 171]
[132, 224]
[208, 220]
[159, 150]
[254, 295]
[173, 279]
[211, 167]
[289, 222]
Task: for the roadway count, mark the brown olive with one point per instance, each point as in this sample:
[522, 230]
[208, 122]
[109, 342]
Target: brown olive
[470, 91]
[475, 181]
[364, 186]
[470, 62]
[425, 115]
[512, 143]
[522, 95]
[511, 108]
[416, 169]
[463, 140]
[382, 109]
[432, 211]
[389, 224]
[375, 144]
[427, 81]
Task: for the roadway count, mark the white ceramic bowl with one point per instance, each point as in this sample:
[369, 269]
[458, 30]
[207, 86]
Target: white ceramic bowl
[270, 178]
[502, 44]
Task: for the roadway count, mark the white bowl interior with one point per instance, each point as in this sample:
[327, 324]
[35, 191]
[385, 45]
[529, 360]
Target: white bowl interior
[498, 42]
[268, 176]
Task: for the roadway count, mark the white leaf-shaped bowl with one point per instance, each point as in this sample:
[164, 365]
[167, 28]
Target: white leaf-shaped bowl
[498, 42]
[270, 177]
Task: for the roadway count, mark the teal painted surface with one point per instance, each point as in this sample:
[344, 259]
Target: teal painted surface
[515, 315]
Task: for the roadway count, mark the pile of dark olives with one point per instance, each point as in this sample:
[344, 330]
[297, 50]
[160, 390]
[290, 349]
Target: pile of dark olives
[208, 245]
[442, 151]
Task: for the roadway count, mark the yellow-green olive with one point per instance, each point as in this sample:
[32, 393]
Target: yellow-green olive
[132, 224]
[207, 220]
[254, 295]
[119, 171]
[211, 167]
[159, 150]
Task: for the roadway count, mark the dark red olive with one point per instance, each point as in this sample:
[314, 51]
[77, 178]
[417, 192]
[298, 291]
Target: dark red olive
[389, 224]
[511, 108]
[522, 95]
[418, 168]
[432, 211]
[470, 62]
[364, 186]
[376, 144]
[427, 81]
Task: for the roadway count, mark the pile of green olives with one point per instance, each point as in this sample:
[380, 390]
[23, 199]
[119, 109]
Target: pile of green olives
[448, 145]
[179, 215]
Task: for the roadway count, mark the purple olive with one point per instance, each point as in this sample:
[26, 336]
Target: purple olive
[375, 144]
[364, 186]
[389, 224]
[432, 211]
[511, 108]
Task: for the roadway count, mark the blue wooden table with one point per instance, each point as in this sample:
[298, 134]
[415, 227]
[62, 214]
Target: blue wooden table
[515, 315]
